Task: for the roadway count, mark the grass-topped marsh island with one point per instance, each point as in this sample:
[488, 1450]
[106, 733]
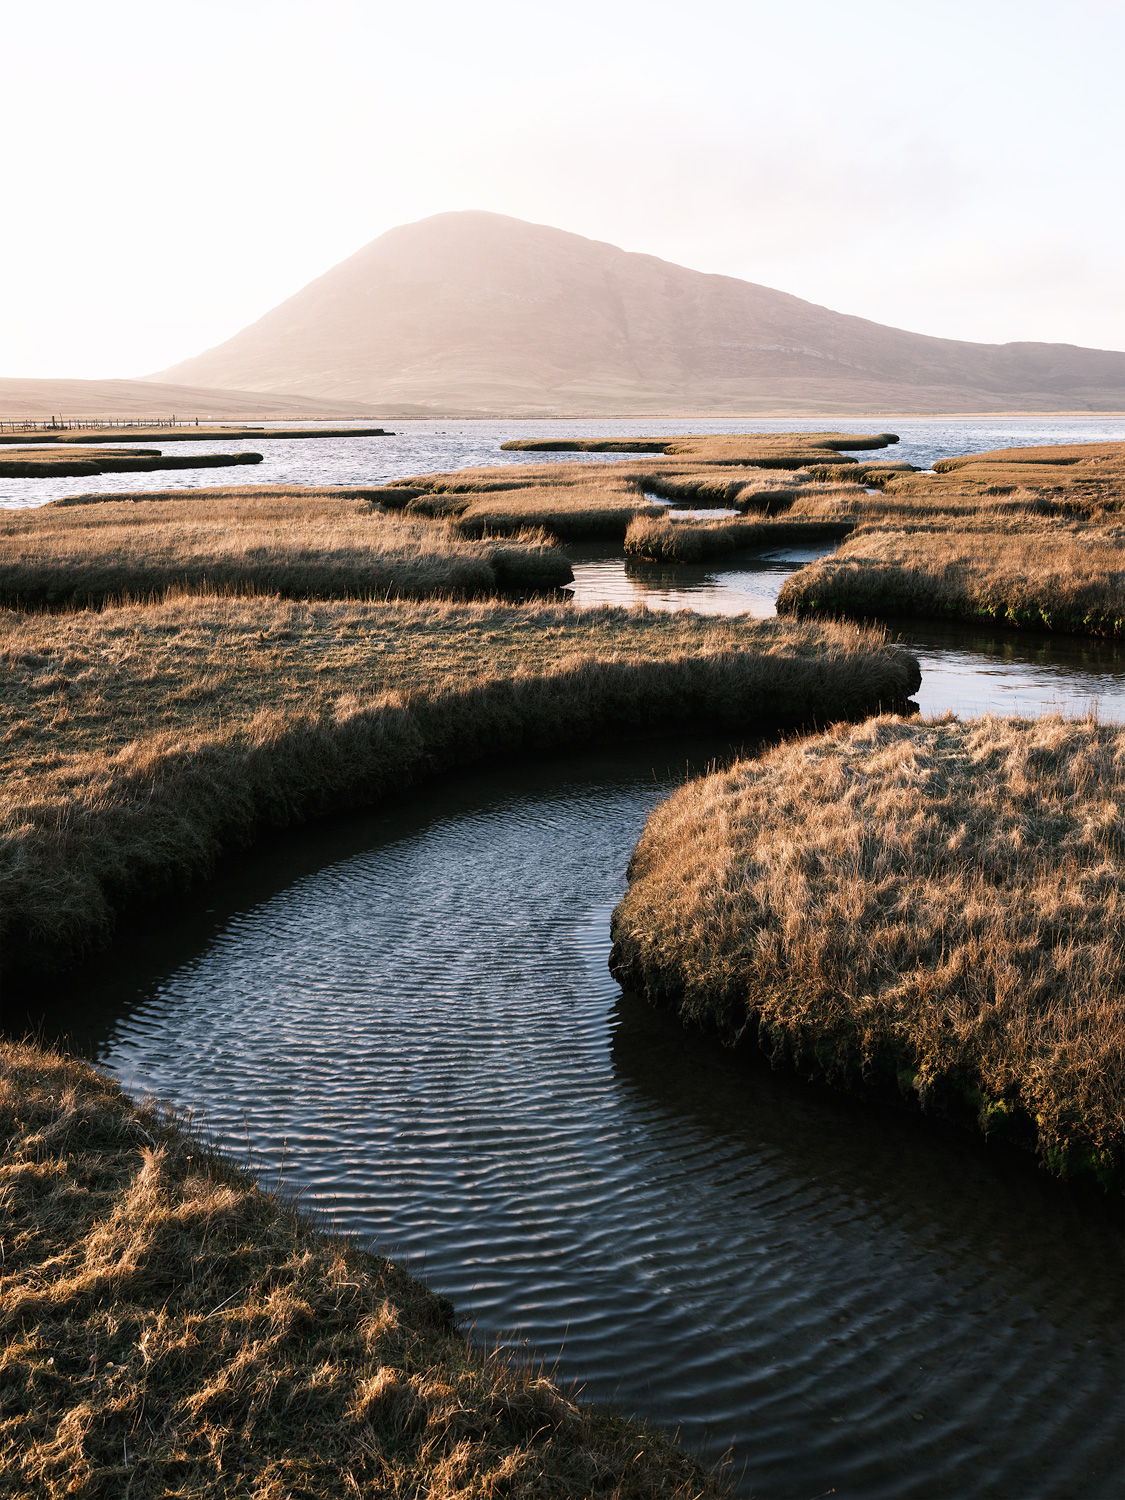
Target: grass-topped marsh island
[928, 912]
[296, 542]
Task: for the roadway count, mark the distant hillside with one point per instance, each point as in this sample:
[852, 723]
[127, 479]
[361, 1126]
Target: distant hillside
[40, 400]
[475, 312]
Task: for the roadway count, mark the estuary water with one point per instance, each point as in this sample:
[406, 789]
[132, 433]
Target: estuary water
[406, 1016]
[421, 447]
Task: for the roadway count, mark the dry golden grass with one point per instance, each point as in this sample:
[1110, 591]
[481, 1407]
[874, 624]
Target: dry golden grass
[1086, 479]
[925, 910]
[574, 501]
[665, 539]
[169, 1329]
[1040, 575]
[801, 473]
[48, 463]
[252, 541]
[141, 742]
[571, 513]
[376, 494]
[565, 500]
[733, 448]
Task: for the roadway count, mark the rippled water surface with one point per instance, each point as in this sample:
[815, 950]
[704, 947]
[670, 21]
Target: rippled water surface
[409, 1015]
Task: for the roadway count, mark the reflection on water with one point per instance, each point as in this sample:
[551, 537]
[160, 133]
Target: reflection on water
[411, 1012]
[748, 585]
[965, 669]
[971, 671]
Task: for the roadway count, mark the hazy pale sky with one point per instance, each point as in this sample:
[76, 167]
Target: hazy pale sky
[176, 170]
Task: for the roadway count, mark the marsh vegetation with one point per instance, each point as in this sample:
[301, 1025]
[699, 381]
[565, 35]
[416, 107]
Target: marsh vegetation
[169, 1328]
[929, 912]
[1068, 577]
[145, 740]
[301, 544]
[47, 463]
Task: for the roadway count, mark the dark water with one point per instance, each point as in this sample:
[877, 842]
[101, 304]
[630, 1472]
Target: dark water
[409, 1017]
[419, 447]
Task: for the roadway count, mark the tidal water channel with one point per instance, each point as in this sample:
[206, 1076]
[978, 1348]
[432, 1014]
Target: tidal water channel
[406, 1016]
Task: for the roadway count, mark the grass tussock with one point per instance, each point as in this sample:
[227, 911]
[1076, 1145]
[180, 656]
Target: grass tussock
[567, 501]
[169, 1329]
[1080, 479]
[374, 494]
[48, 463]
[253, 541]
[665, 539]
[1034, 575]
[141, 742]
[927, 911]
[736, 448]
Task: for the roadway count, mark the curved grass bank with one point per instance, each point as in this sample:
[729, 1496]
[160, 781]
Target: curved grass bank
[925, 912]
[142, 742]
[45, 463]
[662, 539]
[170, 1329]
[1043, 576]
[301, 544]
[769, 449]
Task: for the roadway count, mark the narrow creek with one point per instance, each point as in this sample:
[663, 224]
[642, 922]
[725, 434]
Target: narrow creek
[406, 1016]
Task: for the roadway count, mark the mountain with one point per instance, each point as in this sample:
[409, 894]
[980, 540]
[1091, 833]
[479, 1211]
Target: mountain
[476, 313]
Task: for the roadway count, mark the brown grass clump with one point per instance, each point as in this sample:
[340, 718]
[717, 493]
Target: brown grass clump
[930, 911]
[1083, 479]
[169, 1329]
[665, 539]
[1039, 576]
[375, 494]
[578, 511]
[252, 541]
[48, 463]
[144, 741]
[566, 501]
[737, 448]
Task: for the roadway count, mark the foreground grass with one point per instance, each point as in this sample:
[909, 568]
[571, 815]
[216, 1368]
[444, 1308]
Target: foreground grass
[924, 911]
[141, 742]
[303, 544]
[169, 1329]
[1038, 576]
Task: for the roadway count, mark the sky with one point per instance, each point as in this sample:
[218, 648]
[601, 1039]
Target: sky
[174, 171]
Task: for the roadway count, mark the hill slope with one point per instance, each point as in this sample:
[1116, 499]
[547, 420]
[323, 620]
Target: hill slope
[39, 400]
[475, 312]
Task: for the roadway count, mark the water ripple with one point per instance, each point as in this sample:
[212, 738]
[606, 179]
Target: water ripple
[412, 1024]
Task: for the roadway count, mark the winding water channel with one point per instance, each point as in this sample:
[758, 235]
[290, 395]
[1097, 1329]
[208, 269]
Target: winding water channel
[406, 1015]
